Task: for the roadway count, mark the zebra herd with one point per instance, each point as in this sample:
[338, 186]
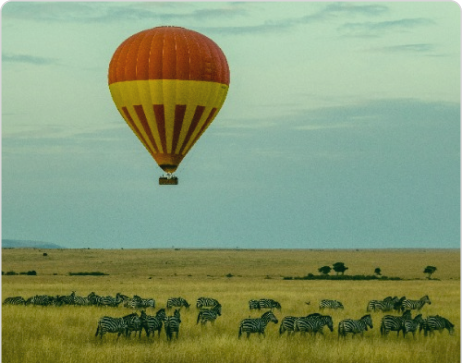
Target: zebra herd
[210, 309]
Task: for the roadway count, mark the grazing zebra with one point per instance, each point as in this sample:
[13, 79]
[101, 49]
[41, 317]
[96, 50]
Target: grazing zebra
[206, 302]
[254, 305]
[134, 323]
[415, 304]
[68, 299]
[410, 326]
[209, 315]
[153, 323]
[172, 324]
[14, 300]
[258, 325]
[93, 298]
[436, 322]
[109, 300]
[354, 326]
[145, 303]
[269, 304]
[81, 301]
[177, 302]
[394, 323]
[331, 304]
[314, 323]
[111, 325]
[288, 323]
[42, 300]
[384, 305]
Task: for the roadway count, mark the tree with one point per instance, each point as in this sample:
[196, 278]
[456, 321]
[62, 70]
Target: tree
[339, 267]
[378, 271]
[324, 270]
[429, 270]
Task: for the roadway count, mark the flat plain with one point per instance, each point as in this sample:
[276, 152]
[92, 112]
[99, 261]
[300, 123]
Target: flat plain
[67, 333]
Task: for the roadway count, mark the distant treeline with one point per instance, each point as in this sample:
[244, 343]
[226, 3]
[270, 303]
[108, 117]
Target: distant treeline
[342, 277]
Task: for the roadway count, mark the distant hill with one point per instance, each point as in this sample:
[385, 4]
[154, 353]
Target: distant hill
[14, 243]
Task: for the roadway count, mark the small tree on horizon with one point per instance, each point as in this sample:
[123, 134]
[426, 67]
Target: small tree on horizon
[430, 270]
[378, 271]
[339, 267]
[324, 270]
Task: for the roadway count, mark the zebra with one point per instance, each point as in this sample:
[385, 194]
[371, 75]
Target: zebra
[288, 323]
[68, 299]
[14, 300]
[415, 304]
[394, 323]
[177, 302]
[384, 305]
[145, 303]
[331, 304]
[42, 300]
[153, 323]
[81, 301]
[93, 298]
[313, 323]
[206, 302]
[209, 315]
[411, 325]
[109, 300]
[436, 322]
[354, 326]
[254, 305]
[258, 325]
[269, 304]
[134, 323]
[106, 324]
[172, 324]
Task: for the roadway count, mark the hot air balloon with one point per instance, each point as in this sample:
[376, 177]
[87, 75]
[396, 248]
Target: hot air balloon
[168, 83]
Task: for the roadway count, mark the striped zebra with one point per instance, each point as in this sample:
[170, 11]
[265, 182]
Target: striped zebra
[411, 325]
[330, 304]
[14, 300]
[111, 325]
[145, 303]
[68, 299]
[209, 315]
[254, 305]
[354, 326]
[206, 302]
[177, 302]
[172, 324]
[134, 323]
[153, 323]
[384, 305]
[109, 300]
[258, 325]
[42, 300]
[269, 304]
[288, 323]
[436, 322]
[415, 304]
[81, 301]
[313, 323]
[394, 323]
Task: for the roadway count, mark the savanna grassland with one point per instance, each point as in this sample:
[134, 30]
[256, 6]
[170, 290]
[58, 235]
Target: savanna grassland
[67, 333]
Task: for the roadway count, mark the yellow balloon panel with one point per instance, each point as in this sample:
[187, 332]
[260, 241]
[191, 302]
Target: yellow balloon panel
[168, 116]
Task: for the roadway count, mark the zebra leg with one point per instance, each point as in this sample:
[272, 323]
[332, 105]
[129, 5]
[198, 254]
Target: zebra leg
[97, 331]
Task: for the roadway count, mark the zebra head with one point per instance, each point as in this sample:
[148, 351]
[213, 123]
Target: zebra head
[161, 314]
[367, 319]
[327, 320]
[269, 316]
[426, 299]
[217, 308]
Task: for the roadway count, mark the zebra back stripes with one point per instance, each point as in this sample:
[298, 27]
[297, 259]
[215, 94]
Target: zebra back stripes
[206, 302]
[330, 304]
[394, 323]
[410, 326]
[354, 326]
[415, 304]
[436, 322]
[209, 315]
[257, 325]
[153, 323]
[111, 325]
[177, 302]
[313, 323]
[14, 300]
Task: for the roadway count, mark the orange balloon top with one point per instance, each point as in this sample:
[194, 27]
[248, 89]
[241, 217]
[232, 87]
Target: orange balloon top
[168, 52]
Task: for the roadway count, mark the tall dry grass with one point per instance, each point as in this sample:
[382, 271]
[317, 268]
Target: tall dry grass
[66, 334]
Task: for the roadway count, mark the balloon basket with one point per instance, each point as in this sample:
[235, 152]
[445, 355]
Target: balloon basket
[168, 181]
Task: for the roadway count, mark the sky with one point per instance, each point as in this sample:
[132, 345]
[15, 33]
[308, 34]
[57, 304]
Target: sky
[341, 128]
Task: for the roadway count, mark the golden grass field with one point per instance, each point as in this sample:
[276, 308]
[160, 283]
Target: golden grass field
[67, 334]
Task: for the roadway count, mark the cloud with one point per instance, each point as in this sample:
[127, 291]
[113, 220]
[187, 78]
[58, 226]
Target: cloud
[29, 59]
[374, 29]
[407, 48]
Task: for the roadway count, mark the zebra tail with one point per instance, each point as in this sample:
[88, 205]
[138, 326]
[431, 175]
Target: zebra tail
[97, 330]
[198, 318]
[240, 332]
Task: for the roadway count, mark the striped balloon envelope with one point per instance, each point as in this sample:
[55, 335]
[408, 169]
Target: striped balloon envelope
[168, 83]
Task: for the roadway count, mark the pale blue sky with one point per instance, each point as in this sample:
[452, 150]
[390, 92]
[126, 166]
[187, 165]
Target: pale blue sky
[341, 128]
